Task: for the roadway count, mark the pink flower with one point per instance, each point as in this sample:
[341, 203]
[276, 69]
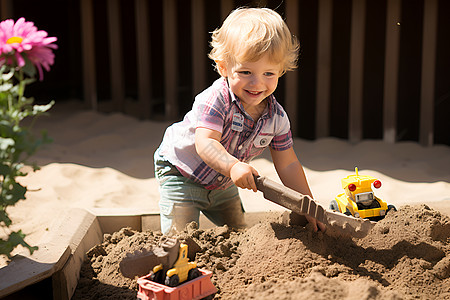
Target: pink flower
[23, 40]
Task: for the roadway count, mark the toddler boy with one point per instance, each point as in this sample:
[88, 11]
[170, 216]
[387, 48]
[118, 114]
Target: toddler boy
[203, 159]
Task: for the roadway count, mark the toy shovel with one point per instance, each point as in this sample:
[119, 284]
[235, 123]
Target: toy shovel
[337, 223]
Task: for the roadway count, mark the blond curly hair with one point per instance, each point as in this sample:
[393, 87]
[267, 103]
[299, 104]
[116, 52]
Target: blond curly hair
[249, 33]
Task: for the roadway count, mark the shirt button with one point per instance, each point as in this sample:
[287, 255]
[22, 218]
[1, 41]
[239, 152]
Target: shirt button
[220, 178]
[247, 134]
[240, 147]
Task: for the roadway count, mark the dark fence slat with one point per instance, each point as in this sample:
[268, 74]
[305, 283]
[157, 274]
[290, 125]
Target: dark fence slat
[226, 6]
[115, 55]
[356, 70]
[6, 9]
[198, 49]
[291, 93]
[88, 54]
[170, 59]
[428, 72]
[143, 58]
[391, 66]
[323, 68]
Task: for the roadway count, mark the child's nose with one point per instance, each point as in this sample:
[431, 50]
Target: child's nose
[256, 80]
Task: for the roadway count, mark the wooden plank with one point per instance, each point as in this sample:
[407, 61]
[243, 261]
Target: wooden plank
[226, 6]
[198, 46]
[114, 219]
[6, 9]
[292, 17]
[84, 233]
[356, 70]
[143, 58]
[25, 269]
[170, 59]
[56, 248]
[111, 224]
[88, 54]
[152, 222]
[428, 72]
[115, 55]
[259, 3]
[391, 66]
[323, 68]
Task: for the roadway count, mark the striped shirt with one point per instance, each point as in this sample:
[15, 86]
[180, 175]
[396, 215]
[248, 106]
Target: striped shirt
[217, 108]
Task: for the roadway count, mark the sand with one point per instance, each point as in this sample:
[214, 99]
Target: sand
[106, 161]
[405, 256]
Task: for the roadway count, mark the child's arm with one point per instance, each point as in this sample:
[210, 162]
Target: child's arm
[209, 148]
[291, 173]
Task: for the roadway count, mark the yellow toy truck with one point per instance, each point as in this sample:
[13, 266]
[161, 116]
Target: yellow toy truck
[359, 200]
[180, 271]
[173, 276]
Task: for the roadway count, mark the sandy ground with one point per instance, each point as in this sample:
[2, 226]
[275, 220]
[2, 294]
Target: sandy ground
[106, 161]
[405, 256]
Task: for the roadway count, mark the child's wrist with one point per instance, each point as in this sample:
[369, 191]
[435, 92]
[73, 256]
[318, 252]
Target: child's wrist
[233, 165]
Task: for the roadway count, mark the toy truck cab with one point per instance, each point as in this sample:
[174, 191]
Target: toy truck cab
[182, 269]
[359, 199]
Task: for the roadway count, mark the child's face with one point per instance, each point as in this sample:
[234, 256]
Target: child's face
[252, 82]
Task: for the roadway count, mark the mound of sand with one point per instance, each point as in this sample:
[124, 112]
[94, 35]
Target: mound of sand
[405, 256]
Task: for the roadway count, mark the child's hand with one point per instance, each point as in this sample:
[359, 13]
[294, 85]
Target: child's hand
[242, 175]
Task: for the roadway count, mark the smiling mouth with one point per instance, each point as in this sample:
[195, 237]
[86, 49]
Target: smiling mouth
[253, 92]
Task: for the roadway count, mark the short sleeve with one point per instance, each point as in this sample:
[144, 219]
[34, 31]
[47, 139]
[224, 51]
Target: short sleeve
[211, 107]
[283, 135]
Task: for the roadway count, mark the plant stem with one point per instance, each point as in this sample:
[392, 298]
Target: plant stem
[20, 94]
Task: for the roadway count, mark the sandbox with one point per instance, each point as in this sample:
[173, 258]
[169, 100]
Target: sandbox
[405, 256]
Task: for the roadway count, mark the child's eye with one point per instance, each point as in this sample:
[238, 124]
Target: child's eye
[269, 74]
[244, 72]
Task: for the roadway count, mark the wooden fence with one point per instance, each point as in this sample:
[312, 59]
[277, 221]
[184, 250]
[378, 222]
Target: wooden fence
[369, 69]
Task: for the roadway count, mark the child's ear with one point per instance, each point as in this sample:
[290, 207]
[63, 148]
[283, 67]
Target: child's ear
[222, 68]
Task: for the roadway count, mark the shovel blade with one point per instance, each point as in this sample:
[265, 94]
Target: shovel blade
[299, 204]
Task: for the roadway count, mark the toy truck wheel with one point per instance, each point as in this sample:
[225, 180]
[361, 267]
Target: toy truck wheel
[391, 207]
[157, 277]
[172, 281]
[334, 206]
[193, 273]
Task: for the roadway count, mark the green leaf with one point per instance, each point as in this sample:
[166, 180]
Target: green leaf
[6, 86]
[18, 192]
[5, 143]
[14, 239]
[38, 109]
[8, 76]
[4, 218]
[12, 193]
[4, 169]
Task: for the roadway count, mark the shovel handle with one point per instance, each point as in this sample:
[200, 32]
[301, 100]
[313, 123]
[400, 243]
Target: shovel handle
[290, 199]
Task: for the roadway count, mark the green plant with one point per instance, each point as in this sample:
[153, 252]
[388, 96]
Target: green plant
[24, 51]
